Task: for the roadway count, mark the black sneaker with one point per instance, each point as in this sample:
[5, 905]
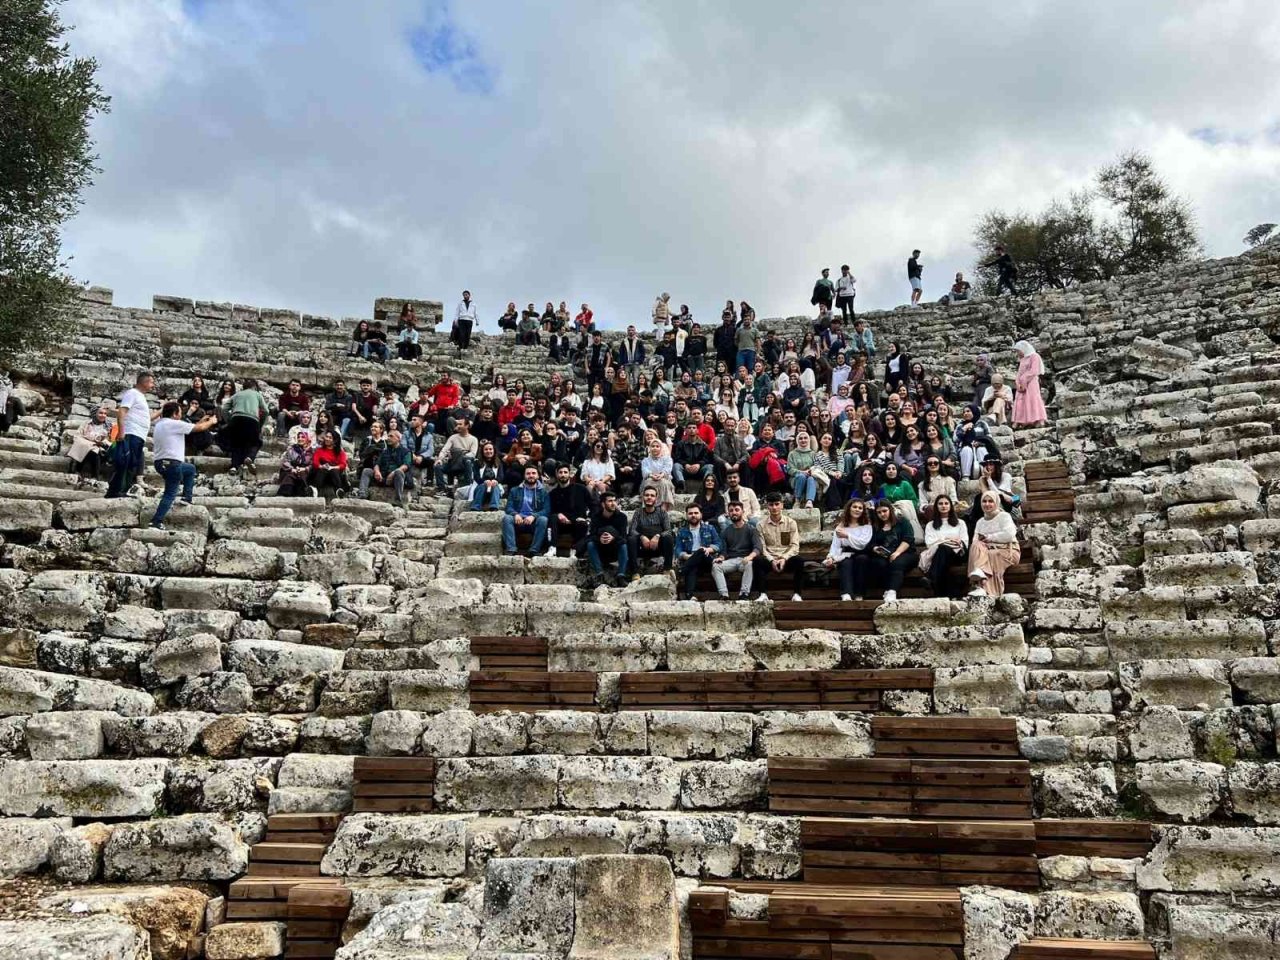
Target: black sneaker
[622, 581]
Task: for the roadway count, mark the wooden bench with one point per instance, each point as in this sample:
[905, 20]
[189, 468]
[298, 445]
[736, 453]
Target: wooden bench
[831, 923]
[1124, 839]
[751, 690]
[1043, 948]
[919, 853]
[532, 690]
[316, 916]
[958, 738]
[394, 785]
[510, 653]
[943, 789]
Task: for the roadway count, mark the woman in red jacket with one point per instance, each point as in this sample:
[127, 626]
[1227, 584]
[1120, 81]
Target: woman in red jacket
[329, 468]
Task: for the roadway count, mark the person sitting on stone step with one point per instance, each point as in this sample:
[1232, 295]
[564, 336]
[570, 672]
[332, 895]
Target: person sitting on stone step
[696, 546]
[421, 442]
[329, 467]
[649, 533]
[375, 344]
[780, 549]
[390, 469]
[741, 545]
[570, 509]
[456, 459]
[691, 459]
[607, 538]
[994, 549]
[89, 445]
[295, 466]
[851, 537]
[528, 509]
[407, 345]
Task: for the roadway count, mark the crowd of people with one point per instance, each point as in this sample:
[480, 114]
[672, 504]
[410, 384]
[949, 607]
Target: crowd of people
[746, 420]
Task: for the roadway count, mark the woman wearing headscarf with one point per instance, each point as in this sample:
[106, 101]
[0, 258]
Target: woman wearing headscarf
[994, 549]
[1028, 406]
[997, 401]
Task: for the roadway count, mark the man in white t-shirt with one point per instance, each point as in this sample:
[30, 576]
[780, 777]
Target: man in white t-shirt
[169, 452]
[133, 418]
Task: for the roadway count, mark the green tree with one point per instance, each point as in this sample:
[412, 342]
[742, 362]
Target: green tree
[1260, 234]
[47, 99]
[1128, 222]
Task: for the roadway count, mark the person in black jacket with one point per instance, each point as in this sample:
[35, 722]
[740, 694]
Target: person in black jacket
[570, 508]
[1006, 270]
[607, 538]
[695, 349]
[897, 366]
[726, 341]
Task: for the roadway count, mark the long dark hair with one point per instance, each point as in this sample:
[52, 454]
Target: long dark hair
[952, 520]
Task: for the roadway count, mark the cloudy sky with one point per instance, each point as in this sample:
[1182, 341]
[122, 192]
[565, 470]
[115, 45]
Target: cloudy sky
[319, 153]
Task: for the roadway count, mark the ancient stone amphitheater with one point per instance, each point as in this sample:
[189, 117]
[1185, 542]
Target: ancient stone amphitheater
[286, 728]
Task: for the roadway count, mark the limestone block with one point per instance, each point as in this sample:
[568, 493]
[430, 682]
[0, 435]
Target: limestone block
[267, 663]
[938, 647]
[1201, 569]
[98, 513]
[1214, 516]
[917, 615]
[964, 689]
[1222, 860]
[697, 844]
[333, 734]
[448, 733]
[96, 938]
[554, 835]
[241, 558]
[364, 599]
[815, 733]
[1257, 679]
[570, 732]
[1160, 734]
[222, 691]
[379, 845]
[1224, 480]
[419, 928]
[1004, 917]
[737, 618]
[72, 735]
[565, 618]
[708, 651]
[606, 652]
[723, 785]
[1182, 790]
[220, 594]
[770, 846]
[1208, 639]
[1261, 535]
[429, 691]
[698, 735]
[626, 909]
[25, 516]
[497, 783]
[1075, 790]
[395, 733]
[660, 617]
[193, 847]
[220, 623]
[199, 785]
[61, 600]
[26, 843]
[75, 855]
[82, 788]
[1189, 684]
[1255, 791]
[611, 783]
[1089, 916]
[795, 649]
[372, 894]
[1215, 929]
[337, 569]
[528, 907]
[321, 780]
[296, 604]
[1155, 603]
[500, 734]
[164, 735]
[243, 940]
[191, 655]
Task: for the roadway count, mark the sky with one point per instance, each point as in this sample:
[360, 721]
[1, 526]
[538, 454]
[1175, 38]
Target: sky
[317, 154]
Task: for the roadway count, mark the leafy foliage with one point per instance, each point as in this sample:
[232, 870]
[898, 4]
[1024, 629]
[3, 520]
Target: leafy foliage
[47, 99]
[1128, 222]
[1260, 234]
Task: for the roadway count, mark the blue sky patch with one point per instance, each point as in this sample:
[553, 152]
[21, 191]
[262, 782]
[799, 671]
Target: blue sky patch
[441, 46]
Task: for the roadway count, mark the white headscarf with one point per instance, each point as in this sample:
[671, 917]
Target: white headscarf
[1024, 347]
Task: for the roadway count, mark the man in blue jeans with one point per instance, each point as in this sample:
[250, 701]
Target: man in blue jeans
[133, 419]
[528, 508]
[607, 538]
[169, 449]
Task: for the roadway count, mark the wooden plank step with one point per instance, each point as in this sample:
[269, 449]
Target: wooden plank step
[304, 821]
[1054, 949]
[288, 852]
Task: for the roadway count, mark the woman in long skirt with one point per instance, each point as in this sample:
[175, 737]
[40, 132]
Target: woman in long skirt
[1028, 405]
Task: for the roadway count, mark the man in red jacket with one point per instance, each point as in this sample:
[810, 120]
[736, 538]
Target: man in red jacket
[444, 398]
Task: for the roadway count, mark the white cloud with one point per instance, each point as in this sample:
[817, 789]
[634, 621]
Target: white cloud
[302, 155]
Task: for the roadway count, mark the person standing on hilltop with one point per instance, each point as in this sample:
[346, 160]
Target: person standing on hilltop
[824, 291]
[1006, 271]
[464, 320]
[661, 311]
[846, 290]
[915, 273]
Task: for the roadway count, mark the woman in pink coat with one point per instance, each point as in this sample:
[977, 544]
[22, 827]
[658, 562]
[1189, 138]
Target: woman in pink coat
[1028, 405]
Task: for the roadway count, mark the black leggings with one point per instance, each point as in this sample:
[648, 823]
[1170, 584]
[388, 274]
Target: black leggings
[943, 559]
[871, 566]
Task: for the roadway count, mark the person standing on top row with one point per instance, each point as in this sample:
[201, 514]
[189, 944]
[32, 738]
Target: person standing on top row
[824, 291]
[915, 273]
[846, 290]
[465, 319]
[1006, 271]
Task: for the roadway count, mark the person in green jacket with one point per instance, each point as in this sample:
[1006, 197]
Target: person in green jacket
[899, 491]
[246, 408]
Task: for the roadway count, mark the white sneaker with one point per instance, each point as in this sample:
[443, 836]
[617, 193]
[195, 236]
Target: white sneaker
[890, 596]
[858, 598]
[764, 598]
[796, 598]
[845, 598]
[180, 503]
